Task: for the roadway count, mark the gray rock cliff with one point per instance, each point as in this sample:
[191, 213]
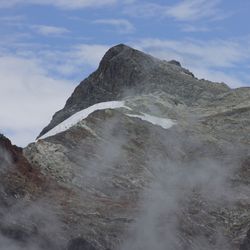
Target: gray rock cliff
[125, 71]
[168, 170]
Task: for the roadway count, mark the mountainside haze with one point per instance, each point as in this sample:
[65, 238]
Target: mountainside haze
[143, 155]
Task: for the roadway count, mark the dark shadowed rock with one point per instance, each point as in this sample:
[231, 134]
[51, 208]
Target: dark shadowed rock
[174, 62]
[246, 243]
[12, 155]
[125, 71]
[80, 244]
[128, 179]
[20, 183]
[16, 233]
[15, 169]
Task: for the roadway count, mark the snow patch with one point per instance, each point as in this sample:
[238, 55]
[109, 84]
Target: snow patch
[83, 114]
[162, 122]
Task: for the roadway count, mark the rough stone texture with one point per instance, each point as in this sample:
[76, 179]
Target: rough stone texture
[175, 63]
[124, 71]
[246, 243]
[114, 159]
[20, 183]
[122, 183]
[17, 175]
[79, 244]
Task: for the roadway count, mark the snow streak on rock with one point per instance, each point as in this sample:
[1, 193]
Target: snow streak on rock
[162, 122]
[83, 114]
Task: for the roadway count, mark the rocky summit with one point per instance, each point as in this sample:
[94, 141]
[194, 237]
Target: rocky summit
[143, 156]
[124, 71]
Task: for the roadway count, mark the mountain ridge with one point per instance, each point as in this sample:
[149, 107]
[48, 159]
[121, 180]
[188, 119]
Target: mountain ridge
[124, 69]
[163, 165]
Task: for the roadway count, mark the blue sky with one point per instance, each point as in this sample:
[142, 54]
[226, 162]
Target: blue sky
[48, 46]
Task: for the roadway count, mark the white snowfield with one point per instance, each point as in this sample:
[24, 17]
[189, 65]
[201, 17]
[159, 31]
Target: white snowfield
[162, 122]
[83, 114]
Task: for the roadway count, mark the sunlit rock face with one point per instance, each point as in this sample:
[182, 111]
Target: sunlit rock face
[164, 164]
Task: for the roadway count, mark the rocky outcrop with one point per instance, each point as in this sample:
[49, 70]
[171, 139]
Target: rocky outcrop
[26, 203]
[79, 244]
[246, 243]
[19, 180]
[115, 162]
[125, 71]
[124, 181]
[17, 175]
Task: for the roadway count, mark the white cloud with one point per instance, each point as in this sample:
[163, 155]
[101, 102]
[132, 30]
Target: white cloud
[188, 10]
[192, 28]
[64, 4]
[184, 10]
[212, 60]
[217, 53]
[89, 54]
[12, 19]
[216, 75]
[122, 25]
[71, 62]
[74, 4]
[145, 10]
[49, 30]
[28, 97]
[32, 86]
[8, 3]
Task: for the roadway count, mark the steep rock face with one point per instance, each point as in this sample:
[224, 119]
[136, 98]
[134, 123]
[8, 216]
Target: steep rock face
[133, 183]
[131, 175]
[27, 207]
[17, 173]
[124, 71]
[246, 244]
[19, 180]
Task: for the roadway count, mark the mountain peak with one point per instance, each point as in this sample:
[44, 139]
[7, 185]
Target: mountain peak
[115, 50]
[123, 56]
[139, 129]
[126, 71]
[174, 62]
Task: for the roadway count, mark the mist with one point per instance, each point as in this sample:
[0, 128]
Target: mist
[138, 186]
[191, 184]
[181, 186]
[27, 221]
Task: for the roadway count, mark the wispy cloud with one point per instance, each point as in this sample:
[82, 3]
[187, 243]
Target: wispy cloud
[215, 60]
[33, 85]
[64, 4]
[146, 10]
[89, 53]
[184, 10]
[192, 29]
[70, 63]
[40, 74]
[29, 97]
[219, 53]
[121, 25]
[49, 30]
[10, 19]
[188, 10]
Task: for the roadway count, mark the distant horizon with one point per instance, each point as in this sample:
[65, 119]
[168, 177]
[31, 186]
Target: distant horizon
[48, 47]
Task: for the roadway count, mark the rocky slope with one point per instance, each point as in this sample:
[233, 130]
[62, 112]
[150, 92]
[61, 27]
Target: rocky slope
[167, 169]
[124, 69]
[18, 177]
[20, 182]
[30, 206]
